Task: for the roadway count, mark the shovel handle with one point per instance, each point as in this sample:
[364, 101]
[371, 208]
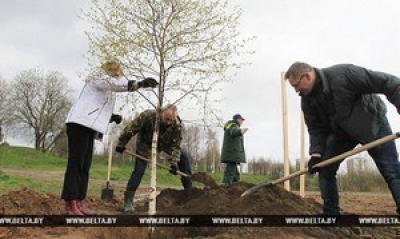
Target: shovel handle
[158, 164]
[110, 154]
[341, 156]
[326, 162]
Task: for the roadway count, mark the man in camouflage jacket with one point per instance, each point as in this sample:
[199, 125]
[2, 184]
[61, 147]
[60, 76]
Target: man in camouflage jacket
[169, 141]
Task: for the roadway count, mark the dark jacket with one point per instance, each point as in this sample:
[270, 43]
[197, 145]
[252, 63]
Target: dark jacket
[169, 137]
[233, 145]
[344, 101]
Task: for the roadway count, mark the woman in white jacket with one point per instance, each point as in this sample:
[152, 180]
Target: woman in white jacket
[88, 117]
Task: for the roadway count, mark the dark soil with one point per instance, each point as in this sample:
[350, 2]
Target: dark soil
[217, 200]
[205, 179]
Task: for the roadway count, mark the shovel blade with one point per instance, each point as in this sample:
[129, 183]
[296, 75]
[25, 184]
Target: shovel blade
[255, 188]
[107, 194]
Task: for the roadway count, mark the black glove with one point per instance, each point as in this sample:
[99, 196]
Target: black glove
[99, 136]
[120, 149]
[148, 83]
[116, 118]
[173, 168]
[311, 162]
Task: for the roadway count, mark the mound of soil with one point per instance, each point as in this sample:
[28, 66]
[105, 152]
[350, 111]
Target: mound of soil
[220, 200]
[226, 200]
[204, 178]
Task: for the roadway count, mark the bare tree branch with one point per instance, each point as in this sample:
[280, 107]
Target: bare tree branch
[40, 104]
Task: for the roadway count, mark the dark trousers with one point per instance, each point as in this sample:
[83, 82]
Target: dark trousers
[385, 157]
[184, 166]
[80, 152]
[231, 173]
[140, 167]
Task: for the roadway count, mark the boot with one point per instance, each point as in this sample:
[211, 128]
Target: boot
[74, 208]
[186, 183]
[83, 209]
[68, 209]
[128, 201]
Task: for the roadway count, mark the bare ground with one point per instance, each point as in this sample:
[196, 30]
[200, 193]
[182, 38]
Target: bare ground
[219, 200]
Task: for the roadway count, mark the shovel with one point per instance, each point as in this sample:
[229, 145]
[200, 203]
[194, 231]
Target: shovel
[197, 177]
[107, 193]
[326, 162]
[158, 164]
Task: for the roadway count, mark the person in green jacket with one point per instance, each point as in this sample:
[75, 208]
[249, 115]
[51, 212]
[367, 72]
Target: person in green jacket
[233, 152]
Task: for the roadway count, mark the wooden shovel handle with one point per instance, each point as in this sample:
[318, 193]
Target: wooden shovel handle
[326, 162]
[110, 154]
[158, 164]
[341, 156]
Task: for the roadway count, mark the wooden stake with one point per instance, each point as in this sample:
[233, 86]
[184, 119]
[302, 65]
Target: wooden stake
[286, 169]
[302, 155]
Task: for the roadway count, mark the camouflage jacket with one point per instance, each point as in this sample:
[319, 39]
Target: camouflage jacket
[169, 137]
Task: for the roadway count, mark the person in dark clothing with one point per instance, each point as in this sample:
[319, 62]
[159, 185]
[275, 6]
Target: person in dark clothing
[233, 153]
[342, 109]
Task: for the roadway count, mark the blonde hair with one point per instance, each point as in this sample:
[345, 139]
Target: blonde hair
[112, 68]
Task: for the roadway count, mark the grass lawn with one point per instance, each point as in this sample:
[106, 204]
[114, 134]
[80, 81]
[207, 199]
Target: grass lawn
[30, 159]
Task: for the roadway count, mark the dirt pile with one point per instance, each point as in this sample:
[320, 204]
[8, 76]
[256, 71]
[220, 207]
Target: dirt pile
[220, 200]
[204, 178]
[29, 202]
[226, 200]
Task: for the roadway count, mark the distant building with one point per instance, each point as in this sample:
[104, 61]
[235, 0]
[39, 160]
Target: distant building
[359, 162]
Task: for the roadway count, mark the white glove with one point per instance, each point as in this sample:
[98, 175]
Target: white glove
[244, 130]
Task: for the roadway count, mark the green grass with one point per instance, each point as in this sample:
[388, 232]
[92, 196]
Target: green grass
[31, 159]
[13, 182]
[10, 182]
[20, 157]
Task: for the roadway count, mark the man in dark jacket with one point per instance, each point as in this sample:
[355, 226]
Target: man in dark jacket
[342, 109]
[233, 152]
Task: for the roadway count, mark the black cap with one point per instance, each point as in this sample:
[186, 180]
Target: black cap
[238, 116]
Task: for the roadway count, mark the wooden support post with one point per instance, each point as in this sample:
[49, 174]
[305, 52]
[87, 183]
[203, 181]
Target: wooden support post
[302, 156]
[286, 164]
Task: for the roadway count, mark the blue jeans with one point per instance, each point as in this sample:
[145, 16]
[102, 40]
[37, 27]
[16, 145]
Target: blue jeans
[184, 166]
[140, 167]
[385, 157]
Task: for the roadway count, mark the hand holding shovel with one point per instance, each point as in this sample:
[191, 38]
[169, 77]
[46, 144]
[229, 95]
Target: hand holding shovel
[326, 162]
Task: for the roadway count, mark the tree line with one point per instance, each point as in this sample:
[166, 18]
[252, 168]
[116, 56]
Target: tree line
[34, 106]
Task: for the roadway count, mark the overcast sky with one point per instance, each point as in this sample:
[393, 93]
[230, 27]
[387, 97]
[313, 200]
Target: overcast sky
[48, 34]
